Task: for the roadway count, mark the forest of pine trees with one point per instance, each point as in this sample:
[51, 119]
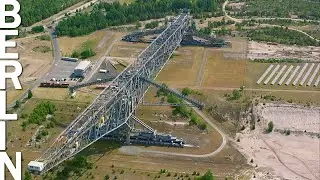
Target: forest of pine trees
[35, 11]
[112, 14]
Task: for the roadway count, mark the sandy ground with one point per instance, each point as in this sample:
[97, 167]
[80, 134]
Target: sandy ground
[258, 50]
[280, 156]
[292, 117]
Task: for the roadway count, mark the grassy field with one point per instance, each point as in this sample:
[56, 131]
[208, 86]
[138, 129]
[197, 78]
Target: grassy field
[68, 44]
[127, 49]
[182, 69]
[224, 72]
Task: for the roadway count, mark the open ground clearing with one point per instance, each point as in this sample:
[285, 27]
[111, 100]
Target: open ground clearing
[258, 50]
[292, 117]
[293, 155]
[35, 64]
[99, 41]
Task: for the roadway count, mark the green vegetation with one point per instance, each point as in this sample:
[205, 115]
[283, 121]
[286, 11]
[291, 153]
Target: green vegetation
[277, 60]
[207, 176]
[276, 8]
[42, 49]
[236, 94]
[17, 105]
[112, 14]
[35, 11]
[106, 177]
[85, 51]
[286, 22]
[187, 91]
[29, 94]
[216, 24]
[182, 110]
[41, 134]
[152, 25]
[39, 113]
[281, 35]
[27, 176]
[44, 37]
[37, 29]
[287, 132]
[270, 127]
[73, 167]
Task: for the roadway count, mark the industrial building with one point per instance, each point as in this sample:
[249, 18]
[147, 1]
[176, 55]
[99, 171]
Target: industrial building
[81, 69]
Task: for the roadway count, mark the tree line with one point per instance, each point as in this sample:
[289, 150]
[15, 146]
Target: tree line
[112, 14]
[281, 35]
[35, 11]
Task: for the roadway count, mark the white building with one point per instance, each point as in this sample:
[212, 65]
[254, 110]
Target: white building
[35, 166]
[81, 69]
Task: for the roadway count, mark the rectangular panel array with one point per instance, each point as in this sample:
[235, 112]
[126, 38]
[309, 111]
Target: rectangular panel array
[306, 75]
[285, 75]
[301, 72]
[313, 75]
[264, 74]
[292, 75]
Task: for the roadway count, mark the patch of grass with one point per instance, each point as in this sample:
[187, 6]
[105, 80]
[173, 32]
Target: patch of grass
[42, 49]
[44, 38]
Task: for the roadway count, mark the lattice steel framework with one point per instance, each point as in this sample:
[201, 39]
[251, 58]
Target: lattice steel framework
[116, 104]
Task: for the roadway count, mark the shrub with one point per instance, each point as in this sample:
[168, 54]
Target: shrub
[18, 104]
[30, 94]
[270, 127]
[37, 29]
[287, 132]
[186, 91]
[202, 126]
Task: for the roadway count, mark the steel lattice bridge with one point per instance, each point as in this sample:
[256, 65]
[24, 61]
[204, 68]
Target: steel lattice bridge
[115, 105]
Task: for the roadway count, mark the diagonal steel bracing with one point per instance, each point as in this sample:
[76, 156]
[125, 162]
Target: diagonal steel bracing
[194, 102]
[117, 102]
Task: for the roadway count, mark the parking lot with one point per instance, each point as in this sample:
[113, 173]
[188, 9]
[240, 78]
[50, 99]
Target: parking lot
[62, 70]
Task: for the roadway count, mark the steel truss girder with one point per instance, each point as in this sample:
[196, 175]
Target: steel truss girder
[117, 102]
[178, 94]
[77, 86]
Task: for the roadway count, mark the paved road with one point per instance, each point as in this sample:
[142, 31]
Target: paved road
[56, 58]
[271, 25]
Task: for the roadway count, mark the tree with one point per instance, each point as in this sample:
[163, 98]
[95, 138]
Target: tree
[186, 91]
[207, 176]
[27, 176]
[18, 104]
[30, 94]
[236, 94]
[106, 177]
[37, 29]
[270, 126]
